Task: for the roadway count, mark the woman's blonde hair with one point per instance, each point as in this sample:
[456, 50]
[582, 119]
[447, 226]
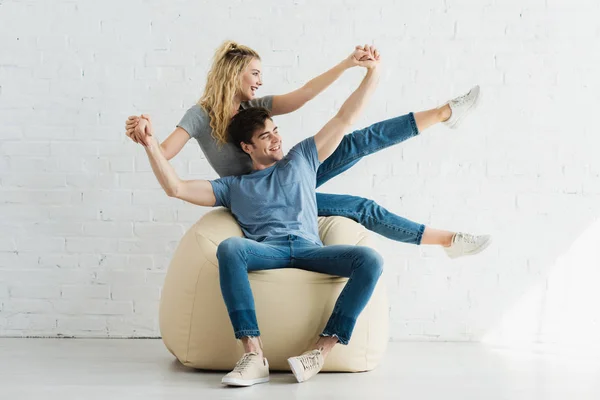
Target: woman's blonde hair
[222, 83]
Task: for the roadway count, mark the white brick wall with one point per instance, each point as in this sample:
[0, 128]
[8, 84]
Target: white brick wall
[86, 233]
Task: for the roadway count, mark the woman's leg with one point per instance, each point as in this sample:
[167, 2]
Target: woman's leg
[425, 119]
[370, 215]
[379, 220]
[387, 133]
[362, 142]
[366, 212]
[376, 137]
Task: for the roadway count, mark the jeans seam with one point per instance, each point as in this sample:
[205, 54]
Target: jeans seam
[247, 332]
[329, 332]
[266, 257]
[337, 303]
[348, 161]
[341, 257]
[413, 123]
[420, 233]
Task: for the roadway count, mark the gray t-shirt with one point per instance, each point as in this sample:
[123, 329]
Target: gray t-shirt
[272, 203]
[227, 159]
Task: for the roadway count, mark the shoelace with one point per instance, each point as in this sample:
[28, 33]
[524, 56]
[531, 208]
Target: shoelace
[309, 361]
[241, 365]
[462, 99]
[466, 237]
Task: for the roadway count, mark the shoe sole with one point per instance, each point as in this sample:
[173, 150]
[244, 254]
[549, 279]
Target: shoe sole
[477, 250]
[243, 382]
[296, 367]
[458, 121]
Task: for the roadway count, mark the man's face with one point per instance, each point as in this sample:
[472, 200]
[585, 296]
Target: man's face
[266, 145]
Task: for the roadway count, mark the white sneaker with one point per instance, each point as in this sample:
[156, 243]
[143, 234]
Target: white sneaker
[465, 244]
[462, 106]
[307, 365]
[249, 370]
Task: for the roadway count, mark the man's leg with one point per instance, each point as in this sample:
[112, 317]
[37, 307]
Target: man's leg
[237, 256]
[363, 266]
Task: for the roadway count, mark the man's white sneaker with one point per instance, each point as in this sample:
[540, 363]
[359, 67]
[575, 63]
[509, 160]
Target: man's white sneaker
[465, 244]
[249, 370]
[307, 365]
[462, 106]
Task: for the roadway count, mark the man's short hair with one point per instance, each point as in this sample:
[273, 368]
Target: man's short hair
[242, 126]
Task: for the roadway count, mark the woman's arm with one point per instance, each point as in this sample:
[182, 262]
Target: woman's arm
[173, 144]
[286, 103]
[170, 147]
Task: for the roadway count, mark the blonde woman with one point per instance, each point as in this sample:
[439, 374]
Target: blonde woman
[232, 82]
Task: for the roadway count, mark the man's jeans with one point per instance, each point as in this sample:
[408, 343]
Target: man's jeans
[371, 215]
[237, 256]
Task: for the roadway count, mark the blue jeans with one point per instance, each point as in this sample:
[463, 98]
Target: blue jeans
[371, 215]
[237, 256]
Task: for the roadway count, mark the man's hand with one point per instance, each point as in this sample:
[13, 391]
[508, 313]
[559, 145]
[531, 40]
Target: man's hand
[363, 56]
[370, 59]
[330, 136]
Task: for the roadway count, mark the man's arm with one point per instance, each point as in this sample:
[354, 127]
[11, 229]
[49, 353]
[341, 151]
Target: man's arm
[330, 136]
[286, 103]
[198, 192]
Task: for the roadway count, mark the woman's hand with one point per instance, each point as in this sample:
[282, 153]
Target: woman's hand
[139, 129]
[130, 125]
[364, 56]
[369, 56]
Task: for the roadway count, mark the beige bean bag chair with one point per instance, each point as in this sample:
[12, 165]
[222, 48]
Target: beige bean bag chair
[292, 305]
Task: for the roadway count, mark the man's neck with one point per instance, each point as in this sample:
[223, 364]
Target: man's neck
[256, 166]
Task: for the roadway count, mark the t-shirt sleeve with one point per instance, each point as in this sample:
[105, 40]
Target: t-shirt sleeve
[307, 149]
[193, 122]
[266, 102]
[221, 189]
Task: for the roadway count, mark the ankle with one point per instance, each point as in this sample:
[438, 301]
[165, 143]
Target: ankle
[325, 351]
[325, 345]
[447, 242]
[252, 345]
[444, 113]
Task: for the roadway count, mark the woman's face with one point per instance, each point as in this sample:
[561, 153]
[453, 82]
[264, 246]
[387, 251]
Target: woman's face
[251, 80]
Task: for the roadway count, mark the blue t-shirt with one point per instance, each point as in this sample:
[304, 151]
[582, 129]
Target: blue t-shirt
[277, 201]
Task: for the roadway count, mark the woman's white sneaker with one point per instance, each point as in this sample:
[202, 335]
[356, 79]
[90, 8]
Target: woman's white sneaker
[462, 106]
[465, 244]
[249, 370]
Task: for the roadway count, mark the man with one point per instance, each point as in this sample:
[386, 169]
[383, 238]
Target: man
[276, 207]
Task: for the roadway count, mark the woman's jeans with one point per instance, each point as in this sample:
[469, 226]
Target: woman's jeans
[371, 215]
[237, 256]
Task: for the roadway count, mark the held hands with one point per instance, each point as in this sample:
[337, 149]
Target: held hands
[364, 56]
[139, 129]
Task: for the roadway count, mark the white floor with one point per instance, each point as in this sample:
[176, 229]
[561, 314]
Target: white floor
[143, 369]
